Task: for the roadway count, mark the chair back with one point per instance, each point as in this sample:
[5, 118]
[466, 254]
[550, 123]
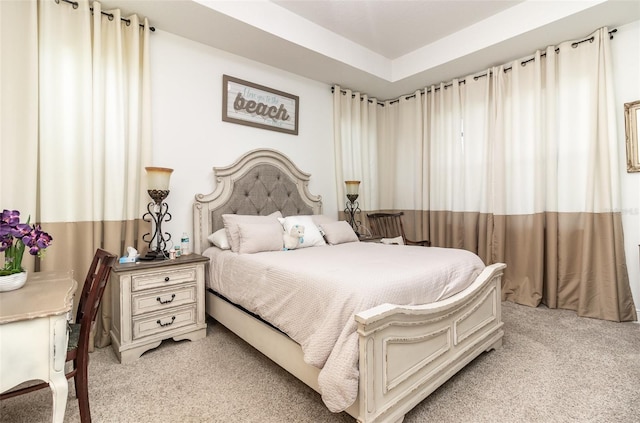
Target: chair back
[89, 302]
[387, 225]
[99, 257]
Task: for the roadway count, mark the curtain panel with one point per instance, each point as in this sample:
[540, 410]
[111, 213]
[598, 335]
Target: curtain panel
[355, 138]
[87, 124]
[518, 164]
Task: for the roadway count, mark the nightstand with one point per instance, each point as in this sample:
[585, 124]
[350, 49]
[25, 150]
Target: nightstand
[156, 300]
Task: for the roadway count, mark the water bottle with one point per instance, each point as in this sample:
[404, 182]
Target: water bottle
[184, 244]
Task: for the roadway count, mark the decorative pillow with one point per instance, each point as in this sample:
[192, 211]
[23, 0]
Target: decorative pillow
[339, 232]
[312, 236]
[320, 219]
[257, 237]
[231, 222]
[219, 239]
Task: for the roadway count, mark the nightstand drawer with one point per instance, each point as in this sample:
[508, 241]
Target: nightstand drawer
[163, 322]
[162, 299]
[160, 279]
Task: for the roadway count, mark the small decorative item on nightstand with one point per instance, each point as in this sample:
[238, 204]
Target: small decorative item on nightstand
[184, 244]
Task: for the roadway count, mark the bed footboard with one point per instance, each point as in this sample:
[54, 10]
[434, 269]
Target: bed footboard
[407, 352]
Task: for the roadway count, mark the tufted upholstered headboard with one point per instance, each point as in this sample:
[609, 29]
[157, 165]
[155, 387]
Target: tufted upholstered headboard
[258, 183]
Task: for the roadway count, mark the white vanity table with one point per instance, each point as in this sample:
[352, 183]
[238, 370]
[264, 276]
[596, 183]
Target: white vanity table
[33, 334]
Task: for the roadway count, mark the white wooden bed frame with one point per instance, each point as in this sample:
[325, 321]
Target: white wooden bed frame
[406, 352]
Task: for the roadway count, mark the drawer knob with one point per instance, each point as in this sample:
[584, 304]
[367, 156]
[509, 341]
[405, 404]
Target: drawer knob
[161, 301]
[166, 279]
[166, 324]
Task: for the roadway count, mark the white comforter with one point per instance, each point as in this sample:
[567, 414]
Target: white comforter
[312, 294]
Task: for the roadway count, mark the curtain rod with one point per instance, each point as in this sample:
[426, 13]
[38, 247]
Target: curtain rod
[74, 4]
[475, 78]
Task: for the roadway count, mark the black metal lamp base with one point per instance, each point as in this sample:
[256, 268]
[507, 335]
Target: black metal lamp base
[157, 213]
[351, 210]
[155, 255]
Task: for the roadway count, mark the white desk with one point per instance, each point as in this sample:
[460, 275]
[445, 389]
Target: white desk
[33, 334]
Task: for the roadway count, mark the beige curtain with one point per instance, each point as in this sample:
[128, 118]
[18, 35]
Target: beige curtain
[87, 75]
[555, 187]
[355, 139]
[19, 108]
[518, 164]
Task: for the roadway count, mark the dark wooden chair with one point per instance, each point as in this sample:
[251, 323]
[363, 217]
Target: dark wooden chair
[79, 334]
[389, 225]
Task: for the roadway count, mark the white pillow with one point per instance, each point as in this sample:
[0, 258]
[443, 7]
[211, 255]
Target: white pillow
[219, 239]
[257, 237]
[339, 232]
[231, 222]
[312, 236]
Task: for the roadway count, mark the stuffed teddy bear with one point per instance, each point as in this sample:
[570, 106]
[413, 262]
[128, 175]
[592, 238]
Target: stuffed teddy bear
[294, 238]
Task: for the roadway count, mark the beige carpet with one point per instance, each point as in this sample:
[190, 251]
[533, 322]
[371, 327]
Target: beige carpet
[553, 367]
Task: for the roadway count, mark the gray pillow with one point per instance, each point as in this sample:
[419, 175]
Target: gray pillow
[338, 232]
[231, 222]
[257, 237]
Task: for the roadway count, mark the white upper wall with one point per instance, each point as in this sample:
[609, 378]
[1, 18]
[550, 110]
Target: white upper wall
[190, 136]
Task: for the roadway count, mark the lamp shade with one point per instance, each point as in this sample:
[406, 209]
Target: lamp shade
[352, 187]
[158, 178]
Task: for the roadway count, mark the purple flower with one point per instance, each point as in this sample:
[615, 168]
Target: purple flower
[6, 240]
[21, 230]
[5, 243]
[11, 217]
[37, 240]
[25, 235]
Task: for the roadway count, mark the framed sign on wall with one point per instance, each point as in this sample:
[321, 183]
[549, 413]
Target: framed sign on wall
[255, 105]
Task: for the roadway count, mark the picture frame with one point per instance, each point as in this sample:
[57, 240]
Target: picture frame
[246, 103]
[632, 128]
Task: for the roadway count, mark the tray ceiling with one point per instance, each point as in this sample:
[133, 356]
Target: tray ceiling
[383, 48]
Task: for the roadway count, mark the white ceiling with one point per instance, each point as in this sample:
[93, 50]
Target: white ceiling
[394, 28]
[380, 47]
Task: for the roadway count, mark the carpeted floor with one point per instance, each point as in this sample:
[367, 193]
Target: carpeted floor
[553, 367]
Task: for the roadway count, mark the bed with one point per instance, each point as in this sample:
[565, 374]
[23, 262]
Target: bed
[402, 352]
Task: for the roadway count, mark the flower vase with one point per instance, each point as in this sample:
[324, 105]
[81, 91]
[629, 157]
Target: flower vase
[13, 281]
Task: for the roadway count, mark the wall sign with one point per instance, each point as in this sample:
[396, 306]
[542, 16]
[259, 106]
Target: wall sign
[254, 105]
